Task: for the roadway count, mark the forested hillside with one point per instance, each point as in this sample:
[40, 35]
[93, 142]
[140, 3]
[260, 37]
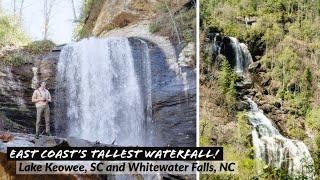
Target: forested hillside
[283, 38]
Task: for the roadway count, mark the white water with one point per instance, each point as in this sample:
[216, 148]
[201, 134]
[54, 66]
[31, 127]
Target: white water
[242, 55]
[103, 98]
[275, 149]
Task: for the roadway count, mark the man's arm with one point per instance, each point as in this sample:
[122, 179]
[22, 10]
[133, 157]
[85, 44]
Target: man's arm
[49, 97]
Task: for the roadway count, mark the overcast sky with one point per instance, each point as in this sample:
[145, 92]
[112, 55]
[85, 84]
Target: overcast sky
[61, 24]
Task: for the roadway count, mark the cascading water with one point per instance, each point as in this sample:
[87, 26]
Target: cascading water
[100, 96]
[270, 146]
[275, 149]
[242, 55]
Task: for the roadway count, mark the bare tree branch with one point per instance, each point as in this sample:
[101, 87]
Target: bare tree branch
[173, 21]
[20, 12]
[74, 11]
[47, 9]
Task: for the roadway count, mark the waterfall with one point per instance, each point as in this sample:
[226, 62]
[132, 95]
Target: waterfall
[99, 97]
[275, 149]
[242, 56]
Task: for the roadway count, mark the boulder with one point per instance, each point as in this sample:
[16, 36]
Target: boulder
[244, 85]
[187, 56]
[267, 108]
[254, 67]
[243, 105]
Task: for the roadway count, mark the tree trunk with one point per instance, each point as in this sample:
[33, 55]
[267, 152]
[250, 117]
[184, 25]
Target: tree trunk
[173, 22]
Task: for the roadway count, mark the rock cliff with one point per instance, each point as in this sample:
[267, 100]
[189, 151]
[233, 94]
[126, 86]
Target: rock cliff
[17, 85]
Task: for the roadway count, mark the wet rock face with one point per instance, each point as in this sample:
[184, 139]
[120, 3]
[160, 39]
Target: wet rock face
[228, 51]
[17, 110]
[173, 98]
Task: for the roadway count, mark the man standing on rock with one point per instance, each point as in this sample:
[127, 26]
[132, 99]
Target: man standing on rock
[41, 97]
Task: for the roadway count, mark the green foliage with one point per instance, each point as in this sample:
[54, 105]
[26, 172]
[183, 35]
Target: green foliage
[285, 67]
[227, 82]
[239, 151]
[284, 35]
[154, 27]
[306, 30]
[316, 154]
[244, 130]
[274, 173]
[295, 130]
[15, 60]
[81, 31]
[40, 47]
[247, 166]
[306, 82]
[313, 120]
[85, 26]
[205, 133]
[10, 32]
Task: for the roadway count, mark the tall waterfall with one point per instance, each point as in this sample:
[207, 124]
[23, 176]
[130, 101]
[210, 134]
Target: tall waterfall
[98, 92]
[275, 149]
[242, 56]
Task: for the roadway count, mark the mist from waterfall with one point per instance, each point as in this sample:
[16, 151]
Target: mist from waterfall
[100, 96]
[276, 150]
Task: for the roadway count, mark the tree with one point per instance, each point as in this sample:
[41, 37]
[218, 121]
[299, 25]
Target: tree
[173, 21]
[17, 10]
[227, 82]
[47, 9]
[20, 11]
[74, 11]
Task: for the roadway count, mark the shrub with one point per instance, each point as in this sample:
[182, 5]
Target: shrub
[227, 82]
[244, 128]
[15, 60]
[154, 27]
[40, 47]
[10, 32]
[90, 8]
[205, 132]
[313, 120]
